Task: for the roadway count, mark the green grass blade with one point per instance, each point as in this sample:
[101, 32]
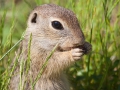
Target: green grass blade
[43, 67]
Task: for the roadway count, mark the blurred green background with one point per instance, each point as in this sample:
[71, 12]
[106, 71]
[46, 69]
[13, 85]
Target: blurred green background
[100, 22]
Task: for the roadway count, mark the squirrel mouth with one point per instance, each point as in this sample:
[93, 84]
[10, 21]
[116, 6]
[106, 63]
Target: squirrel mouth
[86, 48]
[65, 49]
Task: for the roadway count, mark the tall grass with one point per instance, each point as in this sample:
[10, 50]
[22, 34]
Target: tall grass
[100, 22]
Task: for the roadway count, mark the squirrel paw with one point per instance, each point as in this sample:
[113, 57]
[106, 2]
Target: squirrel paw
[77, 53]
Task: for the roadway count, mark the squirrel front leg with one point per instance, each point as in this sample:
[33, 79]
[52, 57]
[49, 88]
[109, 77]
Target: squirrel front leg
[62, 60]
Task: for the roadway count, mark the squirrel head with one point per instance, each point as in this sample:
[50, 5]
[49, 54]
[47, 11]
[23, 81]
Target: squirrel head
[52, 24]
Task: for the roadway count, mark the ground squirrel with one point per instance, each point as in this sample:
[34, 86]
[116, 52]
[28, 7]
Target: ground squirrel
[51, 24]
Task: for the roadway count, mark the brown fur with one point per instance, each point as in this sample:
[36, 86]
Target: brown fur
[44, 38]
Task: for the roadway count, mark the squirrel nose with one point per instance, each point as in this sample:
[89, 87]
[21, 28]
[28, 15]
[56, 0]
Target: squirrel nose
[78, 37]
[77, 41]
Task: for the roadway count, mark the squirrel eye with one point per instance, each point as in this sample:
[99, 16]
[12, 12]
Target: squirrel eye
[57, 25]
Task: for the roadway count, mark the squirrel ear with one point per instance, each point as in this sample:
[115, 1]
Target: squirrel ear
[34, 17]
